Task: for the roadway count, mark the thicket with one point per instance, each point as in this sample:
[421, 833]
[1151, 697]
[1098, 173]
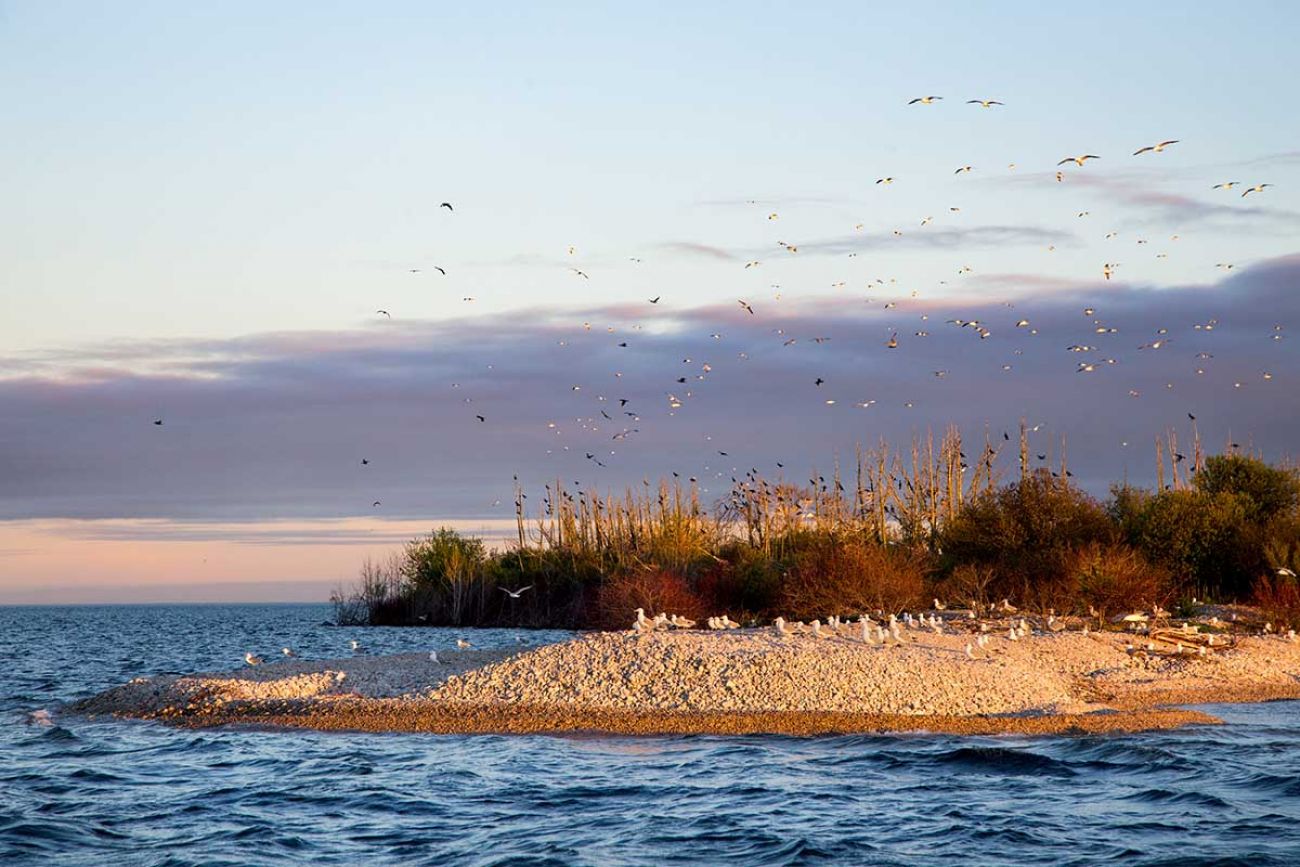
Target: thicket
[899, 530]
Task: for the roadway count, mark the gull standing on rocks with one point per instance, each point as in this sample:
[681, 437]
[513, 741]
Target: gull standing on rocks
[252, 658]
[463, 644]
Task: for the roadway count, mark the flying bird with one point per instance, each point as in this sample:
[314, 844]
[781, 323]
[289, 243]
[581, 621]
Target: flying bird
[447, 205]
[924, 100]
[1226, 185]
[983, 103]
[1079, 160]
[581, 274]
[884, 180]
[157, 422]
[515, 594]
[376, 504]
[655, 300]
[383, 313]
[1155, 148]
[1258, 188]
[747, 307]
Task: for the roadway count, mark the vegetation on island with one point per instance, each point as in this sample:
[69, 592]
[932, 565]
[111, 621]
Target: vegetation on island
[903, 529]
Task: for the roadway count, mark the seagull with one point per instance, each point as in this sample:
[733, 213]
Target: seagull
[287, 651]
[1226, 185]
[515, 594]
[580, 273]
[747, 307]
[447, 205]
[383, 313]
[1285, 572]
[433, 657]
[1155, 148]
[983, 103]
[963, 169]
[252, 658]
[355, 645]
[884, 180]
[376, 504]
[1079, 160]
[655, 300]
[924, 100]
[1258, 188]
[463, 644]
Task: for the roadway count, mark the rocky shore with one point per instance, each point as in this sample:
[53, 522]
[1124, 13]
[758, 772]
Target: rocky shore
[741, 682]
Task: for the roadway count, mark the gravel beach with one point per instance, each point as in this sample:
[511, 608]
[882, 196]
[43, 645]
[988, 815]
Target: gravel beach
[739, 681]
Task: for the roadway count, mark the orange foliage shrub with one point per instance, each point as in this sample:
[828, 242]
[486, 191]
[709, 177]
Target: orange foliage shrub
[851, 577]
[653, 590]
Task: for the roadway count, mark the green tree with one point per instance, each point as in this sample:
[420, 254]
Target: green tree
[1266, 492]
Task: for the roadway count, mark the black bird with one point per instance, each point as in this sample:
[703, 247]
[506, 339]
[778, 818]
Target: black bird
[365, 462]
[724, 454]
[681, 379]
[375, 503]
[158, 422]
[1179, 458]
[1192, 417]
[447, 205]
[622, 401]
[655, 300]
[480, 418]
[385, 313]
[442, 271]
[1005, 436]
[819, 381]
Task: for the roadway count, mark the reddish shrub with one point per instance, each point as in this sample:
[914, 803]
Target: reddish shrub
[1279, 599]
[654, 590]
[851, 577]
[1113, 578]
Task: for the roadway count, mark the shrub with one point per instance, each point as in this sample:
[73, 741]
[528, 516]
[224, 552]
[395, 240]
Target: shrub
[968, 584]
[1024, 532]
[743, 581]
[1113, 578]
[848, 577]
[1203, 539]
[1279, 598]
[654, 590]
[1265, 492]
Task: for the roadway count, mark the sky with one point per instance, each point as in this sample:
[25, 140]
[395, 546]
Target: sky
[203, 210]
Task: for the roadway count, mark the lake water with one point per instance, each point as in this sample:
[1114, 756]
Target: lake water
[98, 793]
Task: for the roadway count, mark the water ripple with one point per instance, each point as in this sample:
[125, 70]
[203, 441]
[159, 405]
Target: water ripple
[84, 792]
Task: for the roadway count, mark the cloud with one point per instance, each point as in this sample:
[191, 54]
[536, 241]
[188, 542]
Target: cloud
[691, 248]
[275, 426]
[941, 238]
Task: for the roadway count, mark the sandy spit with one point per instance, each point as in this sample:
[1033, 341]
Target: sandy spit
[738, 682]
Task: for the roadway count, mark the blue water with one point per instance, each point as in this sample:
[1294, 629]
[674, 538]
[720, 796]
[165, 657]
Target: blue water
[98, 793]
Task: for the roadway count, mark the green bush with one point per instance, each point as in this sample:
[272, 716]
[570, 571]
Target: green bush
[1204, 539]
[1264, 492]
[1025, 532]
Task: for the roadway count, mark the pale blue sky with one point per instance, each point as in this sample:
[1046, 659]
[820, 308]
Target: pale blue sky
[175, 171]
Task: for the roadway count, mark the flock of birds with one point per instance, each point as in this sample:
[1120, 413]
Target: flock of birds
[888, 630]
[611, 417]
[358, 649]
